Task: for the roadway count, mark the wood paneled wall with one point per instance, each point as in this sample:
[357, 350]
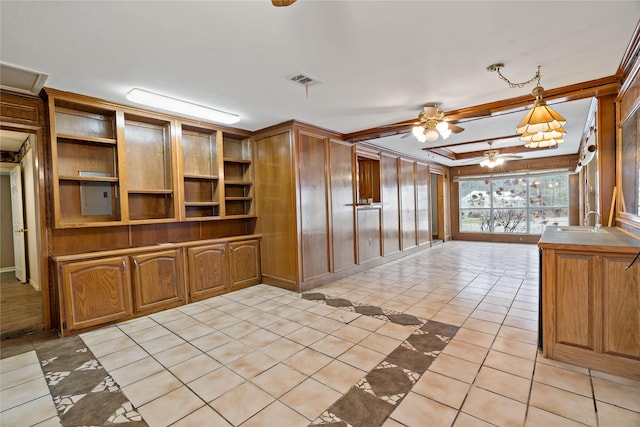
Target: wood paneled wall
[390, 204]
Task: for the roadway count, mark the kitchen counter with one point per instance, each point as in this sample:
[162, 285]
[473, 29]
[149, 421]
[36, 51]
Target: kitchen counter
[583, 238]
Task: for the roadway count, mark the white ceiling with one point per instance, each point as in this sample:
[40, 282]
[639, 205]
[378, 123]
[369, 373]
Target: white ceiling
[377, 62]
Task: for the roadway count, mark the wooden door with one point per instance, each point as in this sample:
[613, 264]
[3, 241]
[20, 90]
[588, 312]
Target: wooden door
[17, 215]
[157, 280]
[94, 292]
[244, 263]
[207, 271]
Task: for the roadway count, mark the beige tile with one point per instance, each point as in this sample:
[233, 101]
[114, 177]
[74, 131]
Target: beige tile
[331, 346]
[150, 333]
[367, 322]
[171, 407]
[51, 422]
[23, 393]
[615, 378]
[454, 367]
[304, 317]
[564, 379]
[283, 327]
[568, 366]
[442, 389]
[150, 388]
[515, 348]
[326, 325]
[306, 336]
[210, 341]
[502, 383]
[229, 352]
[527, 336]
[390, 422]
[193, 368]
[177, 354]
[417, 410]
[240, 329]
[362, 357]
[339, 376]
[136, 371]
[493, 408]
[282, 349]
[563, 403]
[466, 420]
[180, 324]
[215, 383]
[396, 331]
[122, 357]
[241, 403]
[617, 394]
[19, 361]
[102, 335]
[278, 380]
[30, 413]
[538, 418]
[380, 343]
[488, 316]
[307, 361]
[223, 321]
[610, 415]
[107, 347]
[351, 333]
[482, 326]
[310, 398]
[508, 363]
[474, 337]
[193, 332]
[252, 364]
[466, 351]
[276, 415]
[162, 343]
[21, 375]
[260, 338]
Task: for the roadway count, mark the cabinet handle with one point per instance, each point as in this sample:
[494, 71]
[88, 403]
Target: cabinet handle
[633, 261]
[135, 264]
[124, 266]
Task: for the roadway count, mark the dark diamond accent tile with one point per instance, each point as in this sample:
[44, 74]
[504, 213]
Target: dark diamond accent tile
[78, 382]
[389, 381]
[426, 343]
[315, 296]
[369, 310]
[409, 359]
[440, 328]
[93, 409]
[338, 302]
[404, 319]
[361, 409]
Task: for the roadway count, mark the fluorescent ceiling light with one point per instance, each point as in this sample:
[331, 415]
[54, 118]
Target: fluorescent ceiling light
[183, 107]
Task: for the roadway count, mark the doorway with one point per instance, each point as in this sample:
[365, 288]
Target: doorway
[21, 299]
[437, 208]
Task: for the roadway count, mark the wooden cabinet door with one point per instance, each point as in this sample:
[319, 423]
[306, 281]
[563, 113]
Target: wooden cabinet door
[95, 292]
[244, 263]
[620, 307]
[207, 271]
[157, 280]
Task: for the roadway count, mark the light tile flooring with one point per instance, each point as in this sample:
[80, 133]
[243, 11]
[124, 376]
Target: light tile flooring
[265, 357]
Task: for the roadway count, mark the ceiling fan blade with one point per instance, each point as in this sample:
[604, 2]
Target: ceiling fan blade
[509, 156]
[282, 3]
[455, 128]
[404, 124]
[467, 115]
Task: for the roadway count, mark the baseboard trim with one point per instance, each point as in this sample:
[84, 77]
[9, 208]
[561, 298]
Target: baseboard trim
[7, 269]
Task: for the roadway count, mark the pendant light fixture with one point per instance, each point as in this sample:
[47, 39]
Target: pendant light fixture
[542, 126]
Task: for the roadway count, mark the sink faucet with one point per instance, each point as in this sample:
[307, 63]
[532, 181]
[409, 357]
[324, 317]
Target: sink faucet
[596, 226]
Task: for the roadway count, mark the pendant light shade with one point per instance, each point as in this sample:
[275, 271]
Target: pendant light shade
[541, 136]
[541, 118]
[545, 143]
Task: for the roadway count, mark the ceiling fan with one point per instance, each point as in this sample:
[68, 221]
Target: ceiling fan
[493, 158]
[431, 124]
[282, 3]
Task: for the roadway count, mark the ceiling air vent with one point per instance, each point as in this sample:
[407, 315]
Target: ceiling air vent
[302, 79]
[21, 80]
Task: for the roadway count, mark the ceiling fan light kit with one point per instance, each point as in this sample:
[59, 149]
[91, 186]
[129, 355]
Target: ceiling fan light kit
[541, 119]
[431, 125]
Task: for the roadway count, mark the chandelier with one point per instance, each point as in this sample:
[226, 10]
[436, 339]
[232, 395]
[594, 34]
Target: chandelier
[432, 125]
[542, 126]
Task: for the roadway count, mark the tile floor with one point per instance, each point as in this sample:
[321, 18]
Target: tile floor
[267, 357]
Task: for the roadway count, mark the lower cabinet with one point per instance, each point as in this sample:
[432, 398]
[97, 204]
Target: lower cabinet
[591, 310]
[244, 263]
[157, 280]
[105, 287]
[94, 292]
[207, 270]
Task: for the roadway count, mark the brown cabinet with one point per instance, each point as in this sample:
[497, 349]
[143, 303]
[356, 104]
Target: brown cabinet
[207, 271]
[157, 280]
[95, 292]
[591, 310]
[244, 263]
[369, 242]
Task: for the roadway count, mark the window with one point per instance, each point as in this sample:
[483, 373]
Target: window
[514, 204]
